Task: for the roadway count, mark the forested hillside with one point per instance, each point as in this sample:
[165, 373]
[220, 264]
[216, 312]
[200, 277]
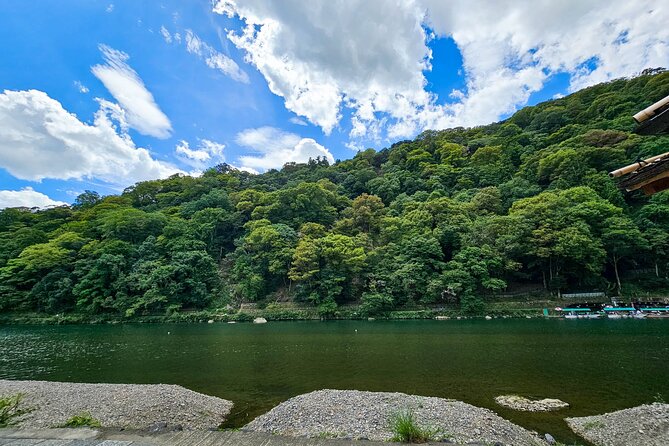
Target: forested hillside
[453, 216]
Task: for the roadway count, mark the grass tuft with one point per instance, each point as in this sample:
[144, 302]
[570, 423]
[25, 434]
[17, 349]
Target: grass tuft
[595, 424]
[11, 410]
[406, 430]
[83, 419]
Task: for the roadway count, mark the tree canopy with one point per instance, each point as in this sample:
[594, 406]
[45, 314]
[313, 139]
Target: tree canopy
[454, 216]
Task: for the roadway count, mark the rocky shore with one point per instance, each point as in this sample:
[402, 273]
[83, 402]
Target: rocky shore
[646, 425]
[366, 415]
[129, 406]
[323, 414]
[521, 403]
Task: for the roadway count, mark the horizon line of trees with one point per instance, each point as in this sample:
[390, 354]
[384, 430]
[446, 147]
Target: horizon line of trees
[454, 217]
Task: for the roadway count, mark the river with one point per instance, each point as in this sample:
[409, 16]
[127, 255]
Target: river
[595, 365]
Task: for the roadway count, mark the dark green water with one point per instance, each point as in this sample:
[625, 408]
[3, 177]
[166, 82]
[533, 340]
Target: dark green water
[596, 365]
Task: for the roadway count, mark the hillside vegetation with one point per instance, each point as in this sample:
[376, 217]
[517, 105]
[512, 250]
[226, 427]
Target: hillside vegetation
[452, 217]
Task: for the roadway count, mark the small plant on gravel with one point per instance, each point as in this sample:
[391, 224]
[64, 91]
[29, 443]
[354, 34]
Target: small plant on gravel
[326, 434]
[11, 410]
[596, 424]
[406, 430]
[83, 419]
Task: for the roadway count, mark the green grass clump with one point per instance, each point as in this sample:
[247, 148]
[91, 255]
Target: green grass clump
[406, 429]
[11, 410]
[83, 419]
[596, 424]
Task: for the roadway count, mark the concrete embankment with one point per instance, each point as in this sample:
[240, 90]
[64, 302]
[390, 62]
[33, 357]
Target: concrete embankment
[101, 437]
[131, 406]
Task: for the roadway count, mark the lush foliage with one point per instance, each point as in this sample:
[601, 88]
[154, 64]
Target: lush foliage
[453, 217]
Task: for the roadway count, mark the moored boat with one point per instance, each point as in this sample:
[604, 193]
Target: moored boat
[618, 312]
[581, 311]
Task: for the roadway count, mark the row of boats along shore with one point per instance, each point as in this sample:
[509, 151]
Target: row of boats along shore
[638, 310]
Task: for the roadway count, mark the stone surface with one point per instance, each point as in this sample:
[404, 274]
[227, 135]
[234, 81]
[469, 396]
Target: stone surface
[189, 438]
[517, 402]
[117, 405]
[646, 425]
[357, 415]
[260, 320]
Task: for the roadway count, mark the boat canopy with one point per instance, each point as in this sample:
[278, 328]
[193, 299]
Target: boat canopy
[620, 309]
[576, 309]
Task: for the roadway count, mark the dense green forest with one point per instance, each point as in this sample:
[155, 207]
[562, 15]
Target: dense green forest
[453, 217]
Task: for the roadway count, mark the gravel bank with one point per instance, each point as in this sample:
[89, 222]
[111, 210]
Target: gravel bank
[517, 402]
[646, 425]
[131, 406]
[365, 415]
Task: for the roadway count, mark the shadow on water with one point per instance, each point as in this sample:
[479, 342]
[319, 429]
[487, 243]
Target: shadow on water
[595, 365]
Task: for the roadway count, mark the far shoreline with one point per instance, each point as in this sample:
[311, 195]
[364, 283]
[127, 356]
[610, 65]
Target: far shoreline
[213, 316]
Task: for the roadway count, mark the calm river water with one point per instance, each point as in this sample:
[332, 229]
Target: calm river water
[595, 365]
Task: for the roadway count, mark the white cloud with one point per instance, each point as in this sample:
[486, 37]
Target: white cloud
[26, 197]
[81, 87]
[276, 148]
[320, 56]
[142, 112]
[207, 153]
[110, 8]
[370, 56]
[40, 139]
[510, 48]
[213, 58]
[166, 34]
[247, 169]
[298, 121]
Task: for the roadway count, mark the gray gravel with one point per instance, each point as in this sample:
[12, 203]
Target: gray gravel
[646, 425]
[366, 415]
[132, 406]
[517, 402]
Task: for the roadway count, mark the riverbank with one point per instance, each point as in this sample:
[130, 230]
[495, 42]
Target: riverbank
[526, 307]
[148, 413]
[646, 425]
[359, 415]
[276, 313]
[129, 406]
[324, 414]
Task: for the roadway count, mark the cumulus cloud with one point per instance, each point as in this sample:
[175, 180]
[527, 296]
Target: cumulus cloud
[26, 197]
[142, 112]
[206, 154]
[320, 56]
[214, 59]
[274, 148]
[40, 139]
[370, 56]
[510, 48]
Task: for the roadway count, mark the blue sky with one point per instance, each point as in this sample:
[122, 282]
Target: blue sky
[159, 87]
